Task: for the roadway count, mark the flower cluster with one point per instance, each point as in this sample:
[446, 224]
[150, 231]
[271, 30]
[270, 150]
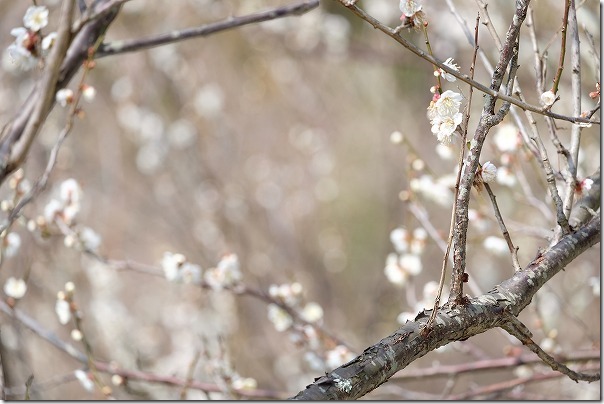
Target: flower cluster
[177, 269]
[290, 295]
[226, 274]
[15, 288]
[406, 262]
[444, 115]
[413, 16]
[30, 44]
[62, 212]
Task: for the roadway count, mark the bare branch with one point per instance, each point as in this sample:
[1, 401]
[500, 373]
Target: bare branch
[119, 47]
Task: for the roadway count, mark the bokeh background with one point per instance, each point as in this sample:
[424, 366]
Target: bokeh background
[273, 142]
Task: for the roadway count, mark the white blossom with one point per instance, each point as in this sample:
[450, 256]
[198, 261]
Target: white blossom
[226, 273]
[12, 242]
[64, 96]
[396, 137]
[84, 380]
[88, 93]
[15, 288]
[489, 172]
[312, 312]
[506, 177]
[444, 127]
[400, 239]
[448, 76]
[244, 383]
[90, 239]
[338, 356]
[393, 271]
[63, 311]
[548, 98]
[405, 316]
[48, 41]
[506, 138]
[448, 103]
[411, 264]
[496, 245]
[279, 317]
[171, 264]
[21, 57]
[36, 18]
[409, 7]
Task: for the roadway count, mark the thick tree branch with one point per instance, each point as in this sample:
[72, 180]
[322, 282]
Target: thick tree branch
[379, 362]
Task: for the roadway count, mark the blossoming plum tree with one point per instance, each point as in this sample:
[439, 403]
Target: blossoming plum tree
[202, 182]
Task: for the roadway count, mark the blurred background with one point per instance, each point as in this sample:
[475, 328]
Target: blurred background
[278, 142]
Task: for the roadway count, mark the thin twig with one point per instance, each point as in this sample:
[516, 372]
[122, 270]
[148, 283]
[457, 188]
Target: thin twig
[520, 331]
[504, 230]
[562, 48]
[119, 47]
[462, 149]
[489, 364]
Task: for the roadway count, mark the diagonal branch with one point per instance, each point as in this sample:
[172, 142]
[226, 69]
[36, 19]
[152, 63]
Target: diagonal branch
[381, 361]
[118, 47]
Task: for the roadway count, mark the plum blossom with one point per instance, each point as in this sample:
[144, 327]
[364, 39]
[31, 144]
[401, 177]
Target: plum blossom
[548, 98]
[448, 76]
[15, 288]
[36, 18]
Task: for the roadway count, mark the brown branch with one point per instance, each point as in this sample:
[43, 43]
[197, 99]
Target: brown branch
[119, 47]
[520, 331]
[562, 48]
[488, 365]
[503, 228]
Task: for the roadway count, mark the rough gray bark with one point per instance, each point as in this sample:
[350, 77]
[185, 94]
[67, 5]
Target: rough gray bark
[381, 361]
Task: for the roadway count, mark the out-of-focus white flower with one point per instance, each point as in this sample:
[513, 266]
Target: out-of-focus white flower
[89, 93]
[84, 380]
[489, 172]
[505, 177]
[21, 57]
[289, 294]
[226, 273]
[70, 191]
[22, 36]
[437, 191]
[400, 239]
[338, 356]
[244, 383]
[594, 282]
[15, 288]
[171, 264]
[191, 273]
[405, 316]
[312, 312]
[76, 335]
[90, 239]
[523, 371]
[411, 264]
[36, 18]
[64, 96]
[48, 41]
[448, 76]
[548, 344]
[444, 151]
[506, 138]
[430, 290]
[393, 271]
[548, 98]
[63, 311]
[409, 7]
[52, 209]
[12, 242]
[496, 245]
[279, 317]
[396, 137]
